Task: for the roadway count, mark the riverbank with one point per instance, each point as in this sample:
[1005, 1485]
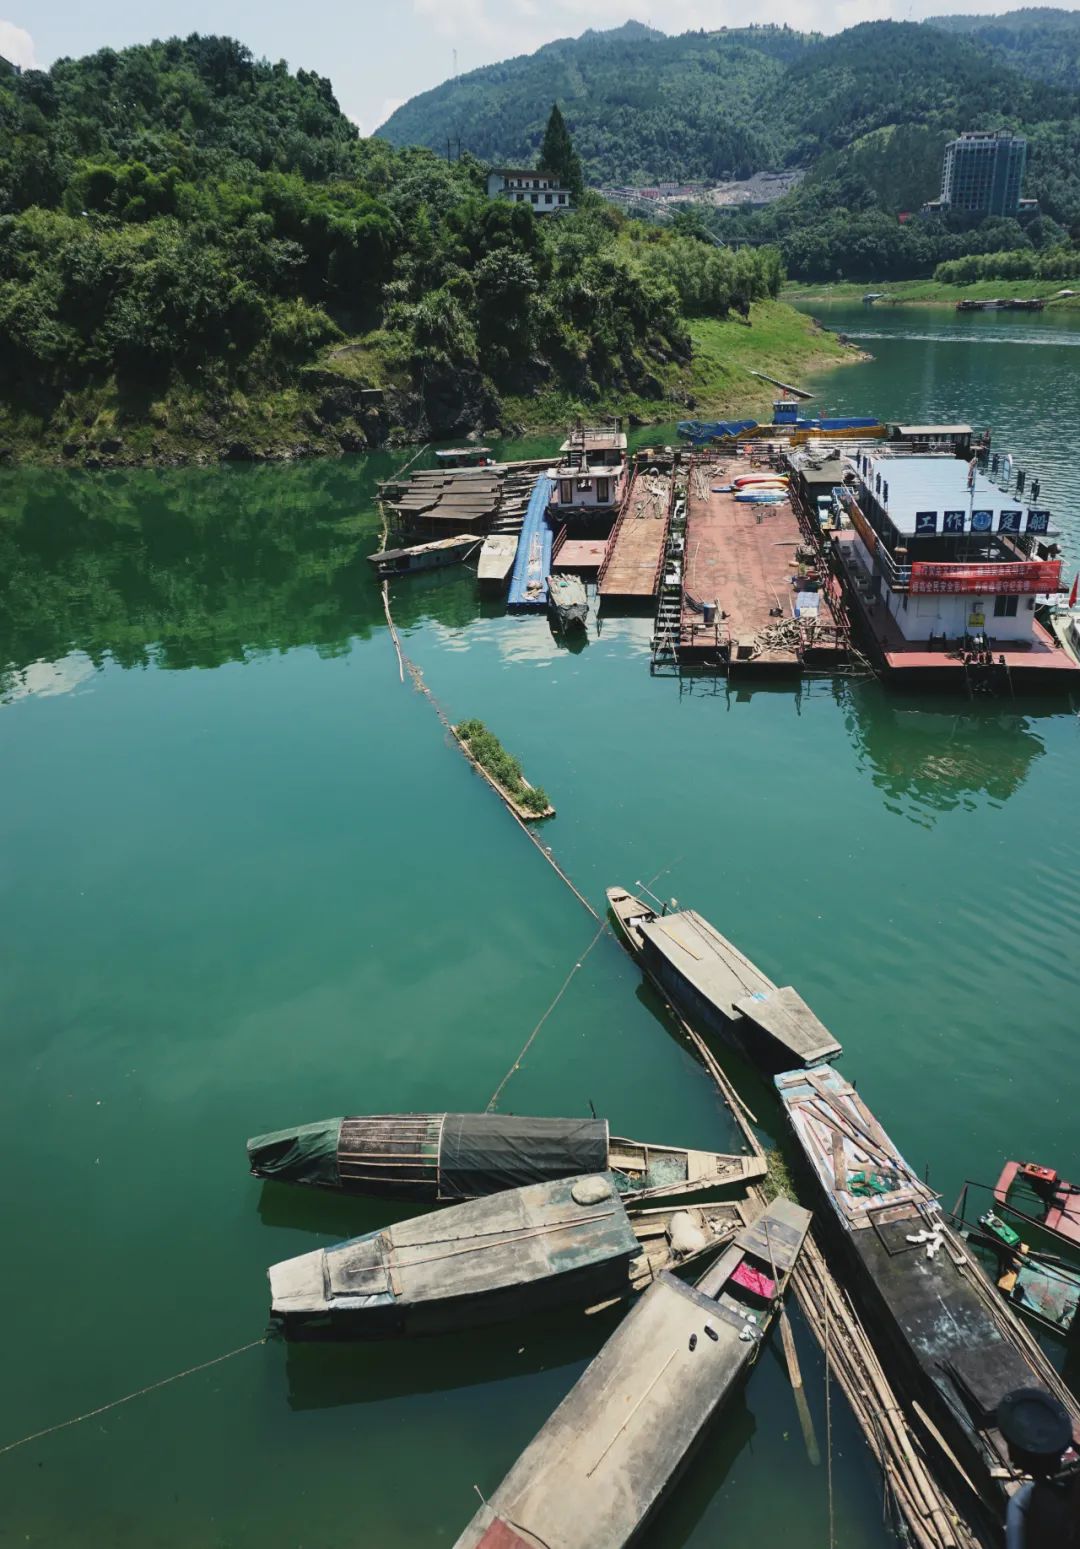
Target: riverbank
[351, 401]
[935, 293]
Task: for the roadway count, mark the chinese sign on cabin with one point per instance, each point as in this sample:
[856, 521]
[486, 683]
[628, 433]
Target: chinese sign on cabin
[1024, 576]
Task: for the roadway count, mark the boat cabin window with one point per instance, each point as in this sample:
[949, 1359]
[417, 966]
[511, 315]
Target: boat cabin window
[603, 489]
[566, 491]
[1005, 607]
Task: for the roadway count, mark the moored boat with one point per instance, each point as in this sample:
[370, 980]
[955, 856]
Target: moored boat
[604, 1460]
[508, 1255]
[425, 556]
[957, 1348]
[1040, 1196]
[456, 1156]
[568, 601]
[720, 990]
[496, 559]
[1043, 1288]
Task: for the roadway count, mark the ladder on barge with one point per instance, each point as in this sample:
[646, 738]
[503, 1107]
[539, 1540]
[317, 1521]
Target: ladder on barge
[667, 628]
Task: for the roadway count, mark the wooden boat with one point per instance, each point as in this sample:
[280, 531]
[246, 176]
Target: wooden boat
[504, 1256]
[455, 1156]
[1041, 1197]
[425, 556]
[955, 1345]
[603, 1462]
[464, 456]
[497, 559]
[568, 602]
[718, 989]
[1040, 1286]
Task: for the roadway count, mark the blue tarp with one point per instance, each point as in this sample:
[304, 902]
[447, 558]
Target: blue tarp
[532, 562]
[711, 430]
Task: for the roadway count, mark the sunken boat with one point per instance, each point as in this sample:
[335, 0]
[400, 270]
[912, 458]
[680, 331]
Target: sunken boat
[606, 1458]
[457, 1156]
[718, 989]
[505, 1256]
[568, 602]
[956, 1348]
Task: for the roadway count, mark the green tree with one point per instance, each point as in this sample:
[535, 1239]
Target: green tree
[557, 154]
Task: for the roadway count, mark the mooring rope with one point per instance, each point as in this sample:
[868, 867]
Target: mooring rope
[562, 991]
[115, 1403]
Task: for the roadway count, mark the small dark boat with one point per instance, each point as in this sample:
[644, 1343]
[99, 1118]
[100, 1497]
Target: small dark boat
[568, 602]
[1039, 1285]
[456, 1156]
[602, 1463]
[504, 1256]
[718, 989]
[464, 456]
[957, 1348]
[1040, 1196]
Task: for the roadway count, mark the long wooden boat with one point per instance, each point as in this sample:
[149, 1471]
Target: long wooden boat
[957, 1346]
[456, 1156]
[425, 556]
[504, 1256]
[720, 990]
[601, 1465]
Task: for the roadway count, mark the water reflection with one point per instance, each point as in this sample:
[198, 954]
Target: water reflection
[181, 568]
[934, 756]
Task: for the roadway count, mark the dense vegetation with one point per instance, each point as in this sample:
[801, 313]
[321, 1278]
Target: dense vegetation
[867, 113]
[1039, 41]
[489, 752]
[184, 229]
[1023, 264]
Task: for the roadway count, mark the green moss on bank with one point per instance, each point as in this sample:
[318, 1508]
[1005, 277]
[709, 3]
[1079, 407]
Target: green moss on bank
[780, 341]
[935, 293]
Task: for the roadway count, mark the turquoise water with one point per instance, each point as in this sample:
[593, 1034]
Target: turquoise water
[247, 880]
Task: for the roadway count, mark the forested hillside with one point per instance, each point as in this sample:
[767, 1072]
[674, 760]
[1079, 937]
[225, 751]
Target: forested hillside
[865, 113]
[1039, 41]
[197, 249]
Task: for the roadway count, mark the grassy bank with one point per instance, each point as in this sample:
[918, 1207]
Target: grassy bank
[330, 406]
[934, 293]
[780, 341]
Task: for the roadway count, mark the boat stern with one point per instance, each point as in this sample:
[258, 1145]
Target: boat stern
[299, 1287]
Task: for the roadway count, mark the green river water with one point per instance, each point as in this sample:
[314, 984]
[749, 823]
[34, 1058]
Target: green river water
[246, 881]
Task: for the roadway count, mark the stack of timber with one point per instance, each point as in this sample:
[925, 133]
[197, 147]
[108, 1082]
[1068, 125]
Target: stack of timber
[505, 1256]
[604, 1461]
[434, 502]
[454, 1156]
[922, 1481]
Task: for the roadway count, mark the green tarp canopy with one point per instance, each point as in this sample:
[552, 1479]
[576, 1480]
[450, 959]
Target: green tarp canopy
[307, 1153]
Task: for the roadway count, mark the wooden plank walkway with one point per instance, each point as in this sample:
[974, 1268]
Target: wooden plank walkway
[636, 547]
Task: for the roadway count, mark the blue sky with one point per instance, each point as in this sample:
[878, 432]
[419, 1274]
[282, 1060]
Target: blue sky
[380, 52]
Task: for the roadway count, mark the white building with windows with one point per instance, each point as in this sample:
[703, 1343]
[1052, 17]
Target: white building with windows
[539, 190]
[945, 549]
[591, 472]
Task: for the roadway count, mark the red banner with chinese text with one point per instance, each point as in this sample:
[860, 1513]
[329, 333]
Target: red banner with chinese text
[1033, 575]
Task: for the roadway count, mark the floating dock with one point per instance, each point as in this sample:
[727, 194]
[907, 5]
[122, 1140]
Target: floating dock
[635, 551]
[744, 561]
[532, 563]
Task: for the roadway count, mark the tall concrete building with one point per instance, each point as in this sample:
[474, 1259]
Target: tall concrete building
[983, 172]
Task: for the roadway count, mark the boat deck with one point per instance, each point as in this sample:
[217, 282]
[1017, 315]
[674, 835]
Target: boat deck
[631, 568]
[743, 557]
[1041, 662]
[580, 555]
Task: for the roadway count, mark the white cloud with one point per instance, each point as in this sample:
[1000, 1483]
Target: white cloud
[17, 45]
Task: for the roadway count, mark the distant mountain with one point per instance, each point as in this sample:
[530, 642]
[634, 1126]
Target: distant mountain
[1039, 41]
[639, 105]
[643, 107]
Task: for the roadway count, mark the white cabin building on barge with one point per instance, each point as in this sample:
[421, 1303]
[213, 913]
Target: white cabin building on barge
[590, 478]
[942, 553]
